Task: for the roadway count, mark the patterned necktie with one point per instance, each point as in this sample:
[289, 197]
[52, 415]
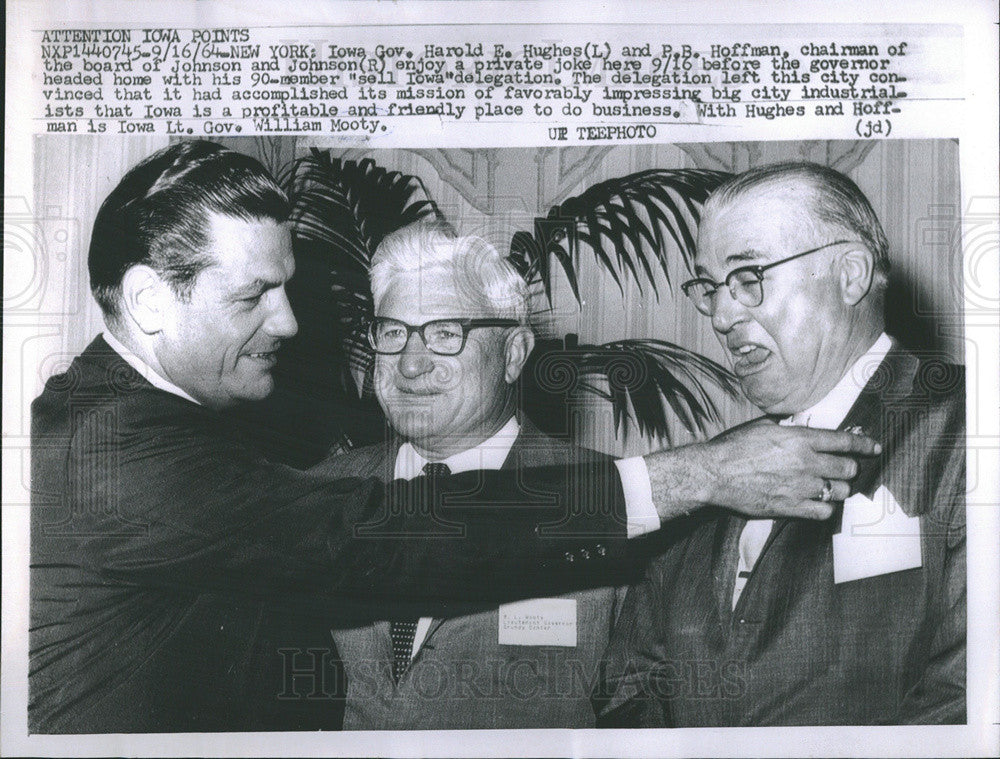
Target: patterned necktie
[402, 632]
[402, 645]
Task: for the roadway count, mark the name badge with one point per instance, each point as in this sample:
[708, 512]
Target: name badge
[538, 622]
[876, 538]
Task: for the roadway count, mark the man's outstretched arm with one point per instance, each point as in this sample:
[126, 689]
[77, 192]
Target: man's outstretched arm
[512, 534]
[759, 469]
[216, 517]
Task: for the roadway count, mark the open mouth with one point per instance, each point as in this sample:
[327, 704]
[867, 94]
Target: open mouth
[748, 358]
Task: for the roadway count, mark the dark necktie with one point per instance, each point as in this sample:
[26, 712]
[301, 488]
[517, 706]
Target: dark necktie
[402, 632]
[436, 469]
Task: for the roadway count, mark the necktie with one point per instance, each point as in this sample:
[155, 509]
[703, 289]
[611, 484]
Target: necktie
[402, 632]
[435, 469]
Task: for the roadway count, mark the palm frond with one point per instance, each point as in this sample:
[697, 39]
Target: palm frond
[341, 211]
[641, 379]
[626, 217]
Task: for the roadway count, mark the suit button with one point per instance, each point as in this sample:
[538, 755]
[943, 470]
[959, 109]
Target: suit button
[569, 556]
[601, 550]
[584, 554]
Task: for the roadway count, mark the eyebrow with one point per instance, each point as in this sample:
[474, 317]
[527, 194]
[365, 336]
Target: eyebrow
[741, 257]
[258, 285]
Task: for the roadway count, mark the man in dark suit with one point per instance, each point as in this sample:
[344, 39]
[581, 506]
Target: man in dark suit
[856, 620]
[181, 582]
[524, 665]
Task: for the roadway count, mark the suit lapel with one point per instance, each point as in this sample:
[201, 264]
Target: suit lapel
[892, 380]
[727, 563]
[383, 464]
[725, 558]
[531, 448]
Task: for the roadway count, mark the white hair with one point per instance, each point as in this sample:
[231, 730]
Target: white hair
[479, 272]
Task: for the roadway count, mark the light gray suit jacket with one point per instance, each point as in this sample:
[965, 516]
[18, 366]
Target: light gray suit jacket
[461, 677]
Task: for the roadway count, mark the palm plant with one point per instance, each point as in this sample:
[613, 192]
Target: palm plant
[342, 209]
[623, 222]
[629, 214]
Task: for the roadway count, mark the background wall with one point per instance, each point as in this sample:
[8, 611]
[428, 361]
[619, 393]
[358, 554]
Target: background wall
[913, 185]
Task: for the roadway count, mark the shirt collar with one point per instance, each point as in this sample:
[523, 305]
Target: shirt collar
[143, 368]
[831, 411]
[489, 454]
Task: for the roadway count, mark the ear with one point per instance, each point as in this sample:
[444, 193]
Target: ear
[520, 343]
[146, 298]
[857, 272]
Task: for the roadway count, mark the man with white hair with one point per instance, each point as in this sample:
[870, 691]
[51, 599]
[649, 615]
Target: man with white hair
[449, 396]
[859, 619]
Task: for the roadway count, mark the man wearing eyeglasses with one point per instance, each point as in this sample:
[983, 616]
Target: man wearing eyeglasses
[858, 619]
[451, 338]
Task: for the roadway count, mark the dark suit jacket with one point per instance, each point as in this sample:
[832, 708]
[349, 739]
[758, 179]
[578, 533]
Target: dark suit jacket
[461, 677]
[178, 579]
[799, 649]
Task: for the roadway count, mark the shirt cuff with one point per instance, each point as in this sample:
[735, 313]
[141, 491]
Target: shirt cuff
[639, 508]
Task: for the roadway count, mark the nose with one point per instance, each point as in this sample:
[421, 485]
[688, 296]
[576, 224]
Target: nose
[281, 321]
[415, 359]
[728, 311]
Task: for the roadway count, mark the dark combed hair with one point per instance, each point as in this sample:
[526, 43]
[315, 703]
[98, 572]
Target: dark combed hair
[835, 201]
[158, 215]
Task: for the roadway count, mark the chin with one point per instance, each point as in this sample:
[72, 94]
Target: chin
[257, 391]
[775, 406]
[412, 424]
[757, 393]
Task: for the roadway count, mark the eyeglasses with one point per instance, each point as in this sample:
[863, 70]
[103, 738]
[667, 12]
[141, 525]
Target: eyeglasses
[446, 337]
[745, 283]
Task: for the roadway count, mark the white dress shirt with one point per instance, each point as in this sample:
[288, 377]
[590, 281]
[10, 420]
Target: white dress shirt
[489, 454]
[143, 368]
[825, 415]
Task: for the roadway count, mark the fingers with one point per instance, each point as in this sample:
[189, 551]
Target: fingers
[763, 469]
[803, 497]
[815, 501]
[818, 510]
[839, 490]
[834, 467]
[812, 505]
[833, 441]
